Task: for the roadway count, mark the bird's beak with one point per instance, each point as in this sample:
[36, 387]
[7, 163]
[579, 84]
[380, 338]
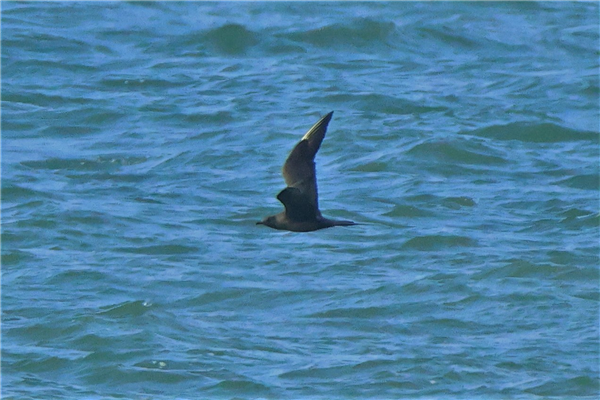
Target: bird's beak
[260, 223]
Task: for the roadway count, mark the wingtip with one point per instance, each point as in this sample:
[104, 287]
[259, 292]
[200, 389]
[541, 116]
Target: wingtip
[319, 128]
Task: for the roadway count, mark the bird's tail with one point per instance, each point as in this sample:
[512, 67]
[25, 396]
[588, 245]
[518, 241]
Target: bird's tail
[343, 223]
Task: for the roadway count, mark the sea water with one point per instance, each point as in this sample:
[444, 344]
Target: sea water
[142, 141]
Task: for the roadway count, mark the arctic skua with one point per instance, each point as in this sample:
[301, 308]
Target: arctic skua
[300, 197]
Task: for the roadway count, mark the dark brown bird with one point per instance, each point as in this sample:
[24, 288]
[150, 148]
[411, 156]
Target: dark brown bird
[300, 197]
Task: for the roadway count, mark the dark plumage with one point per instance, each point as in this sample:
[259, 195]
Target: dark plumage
[300, 197]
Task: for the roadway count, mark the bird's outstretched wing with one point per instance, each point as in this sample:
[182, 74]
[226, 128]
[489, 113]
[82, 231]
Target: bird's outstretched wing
[299, 168]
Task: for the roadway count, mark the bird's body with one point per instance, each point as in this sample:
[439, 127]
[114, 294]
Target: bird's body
[300, 197]
[282, 222]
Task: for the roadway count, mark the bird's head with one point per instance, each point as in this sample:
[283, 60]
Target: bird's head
[269, 221]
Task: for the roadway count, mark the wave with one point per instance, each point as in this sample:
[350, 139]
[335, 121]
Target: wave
[358, 33]
[534, 133]
[582, 181]
[438, 242]
[228, 39]
[238, 39]
[458, 152]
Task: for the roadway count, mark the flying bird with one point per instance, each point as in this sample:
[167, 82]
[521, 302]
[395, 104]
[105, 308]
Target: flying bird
[300, 197]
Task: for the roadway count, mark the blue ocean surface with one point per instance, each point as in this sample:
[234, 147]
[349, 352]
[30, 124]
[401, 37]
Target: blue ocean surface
[142, 141]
